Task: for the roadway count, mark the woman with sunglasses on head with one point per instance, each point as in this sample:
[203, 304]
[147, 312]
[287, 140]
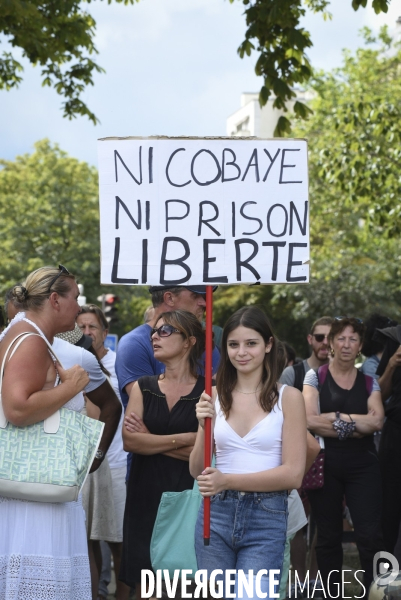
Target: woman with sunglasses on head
[344, 407]
[258, 432]
[160, 429]
[43, 548]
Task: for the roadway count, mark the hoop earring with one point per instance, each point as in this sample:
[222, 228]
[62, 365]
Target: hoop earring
[359, 354]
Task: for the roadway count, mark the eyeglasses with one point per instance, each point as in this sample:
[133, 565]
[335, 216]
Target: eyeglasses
[350, 318]
[319, 337]
[164, 331]
[62, 271]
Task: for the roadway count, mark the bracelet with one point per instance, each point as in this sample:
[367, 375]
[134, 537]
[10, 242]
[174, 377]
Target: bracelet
[344, 430]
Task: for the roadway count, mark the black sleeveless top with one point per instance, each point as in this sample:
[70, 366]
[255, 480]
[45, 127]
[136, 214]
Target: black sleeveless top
[354, 401]
[151, 475]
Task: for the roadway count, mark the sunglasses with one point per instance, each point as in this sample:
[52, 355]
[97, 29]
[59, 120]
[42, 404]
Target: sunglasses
[62, 271]
[163, 331]
[319, 337]
[351, 318]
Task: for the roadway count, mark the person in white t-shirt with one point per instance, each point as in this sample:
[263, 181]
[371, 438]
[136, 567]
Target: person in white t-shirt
[93, 323]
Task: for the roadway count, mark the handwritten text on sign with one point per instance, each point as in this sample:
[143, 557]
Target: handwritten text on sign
[212, 211]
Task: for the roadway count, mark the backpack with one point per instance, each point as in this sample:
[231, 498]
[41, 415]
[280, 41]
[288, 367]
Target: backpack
[321, 373]
[299, 371]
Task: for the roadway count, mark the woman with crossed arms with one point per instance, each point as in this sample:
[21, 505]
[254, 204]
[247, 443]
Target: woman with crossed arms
[345, 409]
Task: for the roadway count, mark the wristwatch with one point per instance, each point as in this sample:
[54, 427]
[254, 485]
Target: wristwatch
[99, 454]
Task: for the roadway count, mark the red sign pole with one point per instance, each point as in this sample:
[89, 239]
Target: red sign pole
[208, 390]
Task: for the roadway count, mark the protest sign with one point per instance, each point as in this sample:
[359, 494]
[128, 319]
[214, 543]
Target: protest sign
[177, 211]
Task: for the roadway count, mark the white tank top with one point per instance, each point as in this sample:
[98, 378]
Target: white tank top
[258, 450]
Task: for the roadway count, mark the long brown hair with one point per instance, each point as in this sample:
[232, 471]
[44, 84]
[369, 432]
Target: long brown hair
[254, 318]
[189, 326]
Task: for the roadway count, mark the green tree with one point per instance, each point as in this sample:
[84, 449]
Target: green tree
[274, 31]
[49, 214]
[354, 140]
[59, 37]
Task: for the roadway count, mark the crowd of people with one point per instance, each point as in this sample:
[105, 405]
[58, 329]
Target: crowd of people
[264, 406]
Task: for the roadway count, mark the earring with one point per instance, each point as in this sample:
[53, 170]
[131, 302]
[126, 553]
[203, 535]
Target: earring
[332, 352]
[359, 354]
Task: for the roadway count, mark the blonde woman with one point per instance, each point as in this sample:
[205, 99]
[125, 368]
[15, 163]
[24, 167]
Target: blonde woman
[43, 549]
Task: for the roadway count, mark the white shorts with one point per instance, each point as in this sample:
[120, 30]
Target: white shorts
[119, 495]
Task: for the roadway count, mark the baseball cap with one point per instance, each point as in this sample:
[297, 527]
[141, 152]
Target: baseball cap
[76, 337]
[197, 289]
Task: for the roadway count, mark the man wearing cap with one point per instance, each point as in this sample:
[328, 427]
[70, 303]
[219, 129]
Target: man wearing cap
[135, 353]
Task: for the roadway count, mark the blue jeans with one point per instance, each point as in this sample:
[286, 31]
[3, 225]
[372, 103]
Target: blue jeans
[247, 532]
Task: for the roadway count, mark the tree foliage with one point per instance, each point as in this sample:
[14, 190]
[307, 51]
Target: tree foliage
[49, 208]
[49, 214]
[59, 37]
[274, 31]
[354, 145]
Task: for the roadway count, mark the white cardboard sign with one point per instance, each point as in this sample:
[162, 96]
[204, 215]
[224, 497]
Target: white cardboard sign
[176, 211]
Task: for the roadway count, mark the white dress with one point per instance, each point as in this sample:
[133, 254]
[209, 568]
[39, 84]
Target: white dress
[43, 547]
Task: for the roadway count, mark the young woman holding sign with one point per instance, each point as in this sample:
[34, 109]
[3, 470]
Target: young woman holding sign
[260, 446]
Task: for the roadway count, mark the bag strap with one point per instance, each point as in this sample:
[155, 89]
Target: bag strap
[21, 338]
[369, 384]
[299, 373]
[321, 374]
[52, 423]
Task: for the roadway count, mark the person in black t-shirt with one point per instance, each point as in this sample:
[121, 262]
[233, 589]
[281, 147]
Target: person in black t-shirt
[344, 407]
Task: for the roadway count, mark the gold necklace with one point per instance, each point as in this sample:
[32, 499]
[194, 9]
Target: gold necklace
[241, 392]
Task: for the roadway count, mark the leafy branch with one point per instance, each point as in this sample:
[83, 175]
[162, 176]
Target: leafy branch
[274, 31]
[58, 36]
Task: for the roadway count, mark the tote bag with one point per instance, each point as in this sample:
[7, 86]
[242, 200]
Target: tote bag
[48, 461]
[173, 540]
[314, 478]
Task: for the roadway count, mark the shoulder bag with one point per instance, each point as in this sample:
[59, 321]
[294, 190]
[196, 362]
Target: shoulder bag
[48, 461]
[314, 478]
[173, 540]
